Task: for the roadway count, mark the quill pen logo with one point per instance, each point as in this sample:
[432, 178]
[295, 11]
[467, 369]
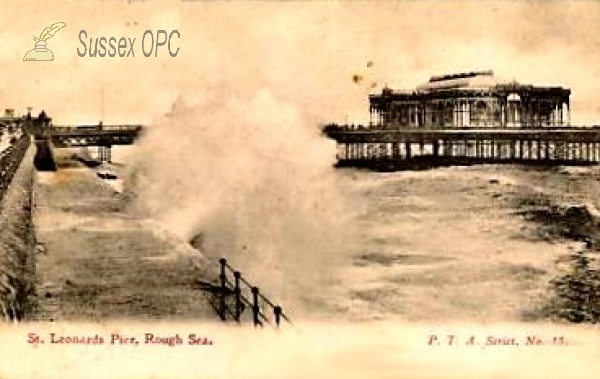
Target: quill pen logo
[41, 53]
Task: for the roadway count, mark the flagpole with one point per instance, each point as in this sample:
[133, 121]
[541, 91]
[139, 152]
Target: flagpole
[102, 103]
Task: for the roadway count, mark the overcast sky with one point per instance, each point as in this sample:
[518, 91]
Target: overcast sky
[303, 54]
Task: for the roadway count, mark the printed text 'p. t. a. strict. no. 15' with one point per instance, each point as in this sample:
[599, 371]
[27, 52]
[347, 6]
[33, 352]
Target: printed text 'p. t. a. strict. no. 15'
[124, 47]
[491, 340]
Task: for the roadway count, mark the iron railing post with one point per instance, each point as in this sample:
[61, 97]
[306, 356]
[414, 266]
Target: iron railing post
[238, 293]
[255, 308]
[223, 263]
[277, 311]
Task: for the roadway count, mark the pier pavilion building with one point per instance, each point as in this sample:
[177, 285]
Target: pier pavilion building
[471, 100]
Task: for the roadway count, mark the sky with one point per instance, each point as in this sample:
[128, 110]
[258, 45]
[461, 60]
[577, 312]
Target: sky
[304, 54]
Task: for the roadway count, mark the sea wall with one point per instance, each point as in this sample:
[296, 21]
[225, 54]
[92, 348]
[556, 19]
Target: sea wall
[17, 240]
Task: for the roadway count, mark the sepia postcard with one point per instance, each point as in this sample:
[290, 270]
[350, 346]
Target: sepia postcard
[300, 189]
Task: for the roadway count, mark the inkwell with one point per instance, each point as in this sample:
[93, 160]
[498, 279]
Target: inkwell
[41, 53]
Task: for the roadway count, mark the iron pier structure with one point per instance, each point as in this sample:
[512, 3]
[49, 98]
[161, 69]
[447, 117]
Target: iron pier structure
[49, 137]
[389, 149]
[464, 119]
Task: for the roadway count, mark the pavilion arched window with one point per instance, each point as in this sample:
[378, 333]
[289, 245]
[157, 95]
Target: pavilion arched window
[513, 109]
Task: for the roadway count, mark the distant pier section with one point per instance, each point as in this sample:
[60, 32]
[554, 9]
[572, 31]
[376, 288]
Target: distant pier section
[104, 137]
[465, 119]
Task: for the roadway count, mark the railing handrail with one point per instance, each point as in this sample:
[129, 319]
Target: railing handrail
[248, 303]
[98, 126]
[491, 126]
[240, 297]
[117, 128]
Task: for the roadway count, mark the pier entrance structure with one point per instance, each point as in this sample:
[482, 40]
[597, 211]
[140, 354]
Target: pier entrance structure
[467, 118]
[474, 99]
[49, 137]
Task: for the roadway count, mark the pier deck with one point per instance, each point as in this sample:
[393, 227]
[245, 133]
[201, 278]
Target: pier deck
[370, 147]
